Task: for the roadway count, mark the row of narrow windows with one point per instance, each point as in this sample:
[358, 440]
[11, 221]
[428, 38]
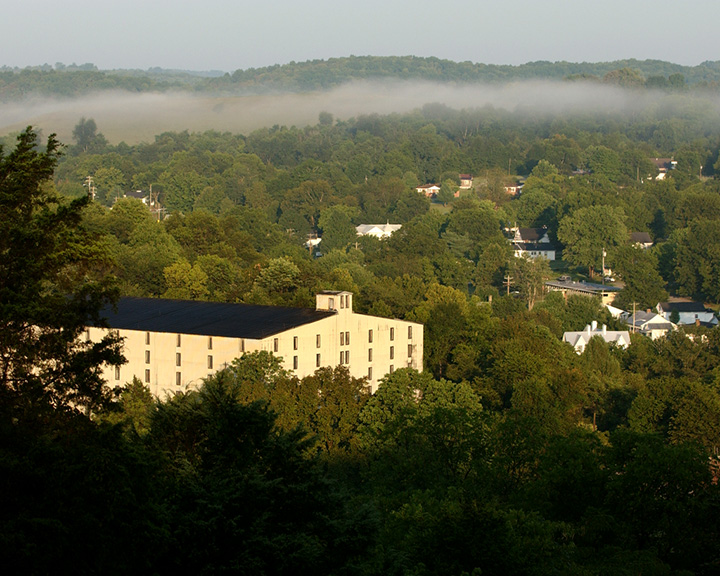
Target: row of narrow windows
[178, 342]
[344, 339]
[178, 359]
[344, 302]
[344, 359]
[344, 355]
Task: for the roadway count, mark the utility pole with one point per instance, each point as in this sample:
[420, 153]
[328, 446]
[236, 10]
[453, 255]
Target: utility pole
[508, 281]
[92, 190]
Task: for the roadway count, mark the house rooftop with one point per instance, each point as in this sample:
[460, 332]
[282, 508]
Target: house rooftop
[682, 306]
[641, 318]
[582, 286]
[640, 238]
[208, 318]
[532, 234]
[386, 229]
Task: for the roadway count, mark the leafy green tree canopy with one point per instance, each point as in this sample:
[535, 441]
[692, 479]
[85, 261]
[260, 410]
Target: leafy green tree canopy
[51, 287]
[590, 231]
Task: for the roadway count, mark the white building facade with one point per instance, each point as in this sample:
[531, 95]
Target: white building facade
[171, 345]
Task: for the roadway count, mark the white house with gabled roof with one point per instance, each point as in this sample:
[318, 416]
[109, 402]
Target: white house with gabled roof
[579, 340]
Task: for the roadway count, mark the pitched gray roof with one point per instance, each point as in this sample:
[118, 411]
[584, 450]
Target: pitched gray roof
[683, 306]
[640, 237]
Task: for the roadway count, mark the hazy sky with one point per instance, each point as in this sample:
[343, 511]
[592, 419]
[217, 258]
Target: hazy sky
[231, 34]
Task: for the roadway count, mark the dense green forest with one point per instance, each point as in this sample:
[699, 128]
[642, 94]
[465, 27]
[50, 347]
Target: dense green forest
[74, 80]
[508, 454]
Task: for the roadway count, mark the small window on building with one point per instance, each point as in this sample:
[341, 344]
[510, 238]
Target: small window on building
[369, 354]
[370, 373]
[347, 300]
[87, 335]
[242, 345]
[317, 341]
[342, 338]
[347, 338]
[370, 336]
[347, 356]
[147, 338]
[342, 357]
[210, 362]
[331, 303]
[147, 376]
[295, 342]
[409, 350]
[178, 378]
[392, 333]
[117, 372]
[409, 332]
[209, 342]
[295, 362]
[392, 368]
[276, 345]
[178, 359]
[147, 356]
[342, 301]
[179, 340]
[317, 360]
[392, 352]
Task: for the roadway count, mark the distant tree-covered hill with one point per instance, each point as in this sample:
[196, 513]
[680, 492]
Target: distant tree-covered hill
[318, 74]
[68, 81]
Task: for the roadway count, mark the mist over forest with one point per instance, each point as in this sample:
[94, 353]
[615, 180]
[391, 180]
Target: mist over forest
[134, 118]
[133, 105]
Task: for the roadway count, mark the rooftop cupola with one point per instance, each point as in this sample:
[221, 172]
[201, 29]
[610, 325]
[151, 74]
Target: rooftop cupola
[337, 300]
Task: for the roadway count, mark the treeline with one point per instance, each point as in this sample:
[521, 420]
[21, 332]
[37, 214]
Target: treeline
[67, 81]
[323, 74]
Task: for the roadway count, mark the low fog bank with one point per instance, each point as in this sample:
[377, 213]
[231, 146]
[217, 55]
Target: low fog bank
[135, 118]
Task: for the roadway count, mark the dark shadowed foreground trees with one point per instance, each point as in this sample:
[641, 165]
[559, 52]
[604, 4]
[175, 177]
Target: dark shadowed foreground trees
[72, 496]
[52, 284]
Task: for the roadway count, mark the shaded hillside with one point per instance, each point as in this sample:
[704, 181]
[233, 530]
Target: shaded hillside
[319, 74]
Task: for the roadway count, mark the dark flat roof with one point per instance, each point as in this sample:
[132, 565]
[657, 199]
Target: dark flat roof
[683, 306]
[582, 286]
[208, 318]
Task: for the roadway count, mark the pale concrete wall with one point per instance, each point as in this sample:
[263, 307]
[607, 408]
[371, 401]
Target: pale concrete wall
[163, 367]
[298, 347]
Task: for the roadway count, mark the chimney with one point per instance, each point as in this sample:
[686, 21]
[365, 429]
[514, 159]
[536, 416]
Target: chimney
[604, 329]
[594, 325]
